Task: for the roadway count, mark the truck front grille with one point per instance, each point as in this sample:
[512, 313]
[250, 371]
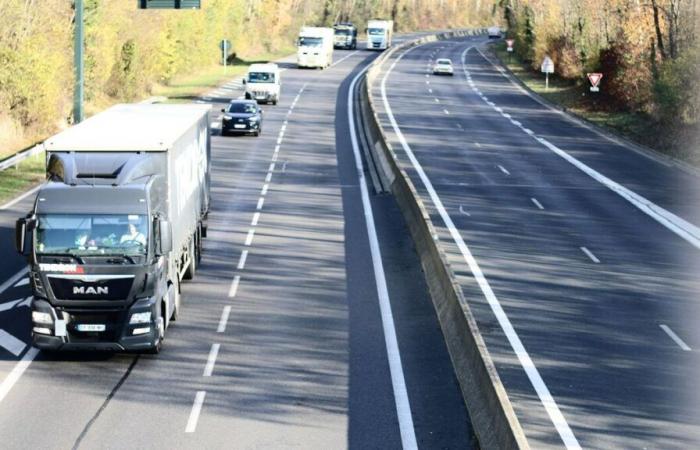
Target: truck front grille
[76, 288]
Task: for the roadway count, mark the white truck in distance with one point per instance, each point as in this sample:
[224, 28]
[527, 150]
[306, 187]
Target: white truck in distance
[315, 47]
[263, 83]
[379, 33]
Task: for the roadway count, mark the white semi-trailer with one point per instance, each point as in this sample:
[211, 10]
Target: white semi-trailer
[315, 47]
[379, 34]
[117, 226]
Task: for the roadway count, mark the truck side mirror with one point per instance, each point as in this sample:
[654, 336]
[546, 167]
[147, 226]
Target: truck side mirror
[23, 227]
[244, 81]
[165, 232]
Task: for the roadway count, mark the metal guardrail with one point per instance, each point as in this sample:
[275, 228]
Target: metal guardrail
[17, 158]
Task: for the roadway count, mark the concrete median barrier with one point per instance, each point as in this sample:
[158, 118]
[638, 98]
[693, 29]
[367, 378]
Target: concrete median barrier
[491, 412]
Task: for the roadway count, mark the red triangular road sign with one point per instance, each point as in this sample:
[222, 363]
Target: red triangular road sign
[595, 78]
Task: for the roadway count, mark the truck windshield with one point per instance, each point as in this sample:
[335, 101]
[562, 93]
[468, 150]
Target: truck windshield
[310, 41]
[98, 234]
[261, 77]
[376, 31]
[342, 32]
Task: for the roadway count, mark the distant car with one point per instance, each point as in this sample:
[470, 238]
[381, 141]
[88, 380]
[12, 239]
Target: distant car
[242, 117]
[443, 66]
[494, 32]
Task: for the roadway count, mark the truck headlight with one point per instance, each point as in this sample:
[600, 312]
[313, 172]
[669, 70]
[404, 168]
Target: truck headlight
[41, 317]
[142, 317]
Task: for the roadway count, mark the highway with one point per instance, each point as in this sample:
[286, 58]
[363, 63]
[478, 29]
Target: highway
[308, 325]
[577, 253]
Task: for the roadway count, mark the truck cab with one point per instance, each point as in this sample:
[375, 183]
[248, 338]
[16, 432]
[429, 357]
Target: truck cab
[315, 47]
[345, 36]
[116, 227]
[263, 83]
[379, 34]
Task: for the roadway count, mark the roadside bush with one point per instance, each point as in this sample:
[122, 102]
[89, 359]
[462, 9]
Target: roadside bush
[677, 89]
[566, 58]
[627, 78]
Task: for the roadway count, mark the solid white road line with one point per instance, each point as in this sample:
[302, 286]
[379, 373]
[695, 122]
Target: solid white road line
[526, 362]
[403, 407]
[16, 200]
[224, 319]
[241, 262]
[234, 286]
[211, 360]
[675, 338]
[256, 218]
[340, 60]
[196, 410]
[13, 279]
[11, 343]
[504, 170]
[17, 371]
[674, 223]
[590, 255]
[537, 203]
[249, 238]
[9, 305]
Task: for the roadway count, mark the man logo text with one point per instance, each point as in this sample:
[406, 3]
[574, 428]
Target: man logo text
[82, 290]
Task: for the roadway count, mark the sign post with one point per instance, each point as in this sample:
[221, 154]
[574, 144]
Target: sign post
[547, 68]
[78, 93]
[510, 43]
[595, 78]
[225, 46]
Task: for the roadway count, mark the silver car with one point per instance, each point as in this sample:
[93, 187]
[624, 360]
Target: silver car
[443, 66]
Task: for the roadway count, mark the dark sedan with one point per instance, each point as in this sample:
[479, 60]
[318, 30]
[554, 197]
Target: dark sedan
[242, 116]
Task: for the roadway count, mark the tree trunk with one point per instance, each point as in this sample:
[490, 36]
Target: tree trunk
[657, 26]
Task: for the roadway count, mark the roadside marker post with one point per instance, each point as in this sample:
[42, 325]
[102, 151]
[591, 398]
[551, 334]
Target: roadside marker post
[225, 46]
[595, 78]
[510, 43]
[547, 68]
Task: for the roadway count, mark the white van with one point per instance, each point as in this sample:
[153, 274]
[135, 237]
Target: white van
[315, 47]
[263, 83]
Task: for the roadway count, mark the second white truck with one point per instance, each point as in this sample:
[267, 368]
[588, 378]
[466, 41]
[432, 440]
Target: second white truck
[379, 34]
[315, 47]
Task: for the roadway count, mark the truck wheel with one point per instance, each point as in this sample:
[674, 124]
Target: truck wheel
[198, 247]
[192, 266]
[178, 301]
[158, 346]
[247, 96]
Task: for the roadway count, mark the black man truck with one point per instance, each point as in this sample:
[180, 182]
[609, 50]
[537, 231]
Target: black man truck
[117, 226]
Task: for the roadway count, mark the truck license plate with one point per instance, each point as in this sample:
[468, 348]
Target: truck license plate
[90, 327]
[239, 125]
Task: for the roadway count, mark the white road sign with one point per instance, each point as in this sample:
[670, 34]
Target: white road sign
[547, 65]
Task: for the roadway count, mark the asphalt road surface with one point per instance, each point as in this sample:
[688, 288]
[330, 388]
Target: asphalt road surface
[282, 342]
[578, 254]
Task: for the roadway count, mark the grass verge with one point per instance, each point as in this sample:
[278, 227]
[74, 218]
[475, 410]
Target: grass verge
[189, 87]
[577, 99]
[14, 181]
[182, 89]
